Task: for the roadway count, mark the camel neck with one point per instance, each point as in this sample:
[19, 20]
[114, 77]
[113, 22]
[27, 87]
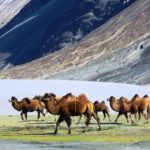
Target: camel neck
[114, 105]
[52, 107]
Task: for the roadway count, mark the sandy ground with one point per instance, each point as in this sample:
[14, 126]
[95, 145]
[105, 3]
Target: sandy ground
[9, 145]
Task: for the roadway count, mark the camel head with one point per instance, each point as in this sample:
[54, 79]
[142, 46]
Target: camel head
[96, 102]
[13, 99]
[111, 99]
[48, 97]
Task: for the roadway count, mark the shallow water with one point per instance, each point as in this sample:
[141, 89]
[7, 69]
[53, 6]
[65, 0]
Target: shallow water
[10, 145]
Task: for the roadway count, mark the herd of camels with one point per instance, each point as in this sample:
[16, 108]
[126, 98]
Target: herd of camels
[70, 105]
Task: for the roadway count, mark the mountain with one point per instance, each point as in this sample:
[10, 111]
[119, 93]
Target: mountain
[118, 51]
[36, 28]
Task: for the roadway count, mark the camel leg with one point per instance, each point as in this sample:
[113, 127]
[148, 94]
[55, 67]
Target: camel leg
[87, 122]
[57, 125]
[54, 118]
[97, 119]
[80, 117]
[118, 116]
[131, 118]
[148, 115]
[139, 114]
[26, 116]
[38, 114]
[44, 114]
[22, 116]
[126, 116]
[108, 115]
[104, 114]
[69, 122]
[60, 119]
[136, 120]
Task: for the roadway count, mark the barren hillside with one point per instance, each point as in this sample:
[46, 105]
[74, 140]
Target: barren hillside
[118, 51]
[35, 28]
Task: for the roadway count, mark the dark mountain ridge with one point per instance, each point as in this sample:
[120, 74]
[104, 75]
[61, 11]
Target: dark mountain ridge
[43, 27]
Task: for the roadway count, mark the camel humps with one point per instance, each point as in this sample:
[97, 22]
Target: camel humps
[26, 105]
[135, 106]
[68, 106]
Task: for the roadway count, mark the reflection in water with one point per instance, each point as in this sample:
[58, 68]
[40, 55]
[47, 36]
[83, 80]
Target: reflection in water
[9, 145]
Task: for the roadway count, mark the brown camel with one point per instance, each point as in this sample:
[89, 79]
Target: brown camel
[134, 106]
[130, 106]
[144, 107]
[68, 106]
[102, 107]
[99, 107]
[26, 105]
[116, 106]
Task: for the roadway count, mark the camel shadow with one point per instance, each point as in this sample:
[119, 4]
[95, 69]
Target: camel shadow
[107, 123]
[51, 133]
[43, 123]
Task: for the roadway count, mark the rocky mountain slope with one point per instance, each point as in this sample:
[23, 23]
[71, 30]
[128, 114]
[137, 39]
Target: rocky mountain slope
[45, 26]
[118, 51]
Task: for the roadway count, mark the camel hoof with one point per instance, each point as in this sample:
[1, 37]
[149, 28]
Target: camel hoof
[83, 131]
[146, 122]
[55, 133]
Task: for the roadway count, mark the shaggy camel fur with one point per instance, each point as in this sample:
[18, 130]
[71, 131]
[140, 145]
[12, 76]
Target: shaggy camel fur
[68, 106]
[116, 106]
[26, 105]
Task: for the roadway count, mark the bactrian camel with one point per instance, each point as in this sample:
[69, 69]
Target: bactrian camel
[68, 106]
[26, 105]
